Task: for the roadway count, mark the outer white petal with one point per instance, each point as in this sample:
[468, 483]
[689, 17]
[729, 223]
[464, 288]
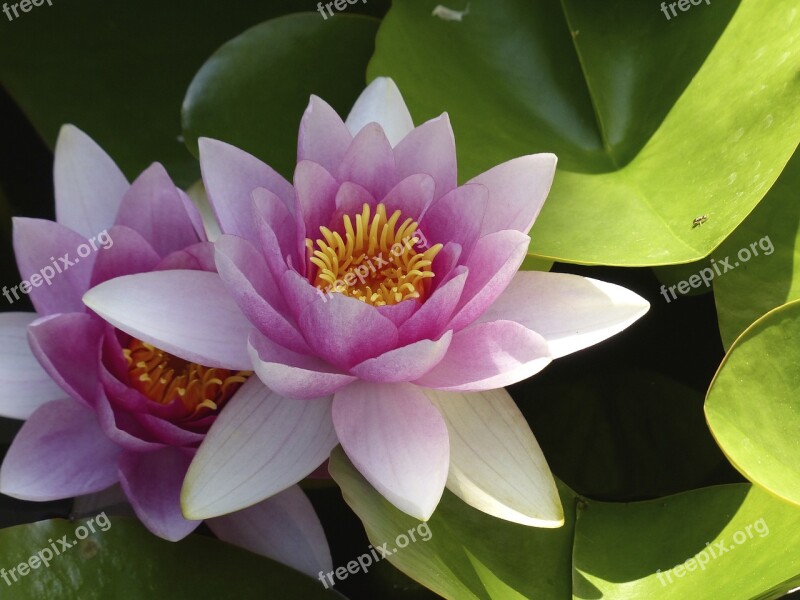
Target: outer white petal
[260, 444]
[24, 384]
[187, 313]
[569, 311]
[496, 464]
[284, 528]
[382, 103]
[88, 184]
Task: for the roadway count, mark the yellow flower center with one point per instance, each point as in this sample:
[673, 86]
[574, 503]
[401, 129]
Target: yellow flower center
[376, 261]
[163, 378]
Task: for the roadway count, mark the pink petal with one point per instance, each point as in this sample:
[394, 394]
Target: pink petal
[399, 313]
[197, 257]
[350, 200]
[430, 149]
[457, 217]
[382, 103]
[168, 433]
[492, 265]
[316, 196]
[323, 137]
[284, 528]
[119, 425]
[47, 248]
[404, 364]
[487, 356]
[68, 347]
[252, 286]
[298, 292]
[412, 196]
[398, 440]
[434, 314]
[26, 385]
[186, 313]
[128, 254]
[152, 481]
[517, 191]
[60, 452]
[569, 311]
[277, 231]
[88, 184]
[344, 331]
[230, 176]
[260, 444]
[291, 374]
[153, 208]
[369, 162]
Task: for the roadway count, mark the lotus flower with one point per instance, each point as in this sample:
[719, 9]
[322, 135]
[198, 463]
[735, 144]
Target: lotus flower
[103, 407]
[377, 287]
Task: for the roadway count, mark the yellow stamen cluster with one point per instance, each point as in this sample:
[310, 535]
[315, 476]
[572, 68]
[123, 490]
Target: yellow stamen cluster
[376, 261]
[163, 377]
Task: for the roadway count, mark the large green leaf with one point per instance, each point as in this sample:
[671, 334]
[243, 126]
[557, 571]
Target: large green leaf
[773, 277]
[753, 407]
[254, 89]
[655, 122]
[648, 550]
[603, 551]
[120, 70]
[469, 555]
[127, 562]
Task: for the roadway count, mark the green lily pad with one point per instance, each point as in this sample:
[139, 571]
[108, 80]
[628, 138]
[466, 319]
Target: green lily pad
[252, 92]
[655, 122]
[603, 551]
[753, 406]
[772, 278]
[742, 536]
[125, 561]
[120, 71]
[468, 555]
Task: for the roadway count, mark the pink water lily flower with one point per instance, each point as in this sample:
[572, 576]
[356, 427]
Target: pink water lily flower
[377, 287]
[103, 407]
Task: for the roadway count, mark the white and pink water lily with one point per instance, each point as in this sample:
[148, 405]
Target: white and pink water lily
[103, 408]
[380, 304]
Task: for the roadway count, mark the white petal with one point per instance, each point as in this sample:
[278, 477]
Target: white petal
[284, 528]
[187, 313]
[260, 444]
[88, 184]
[496, 464]
[569, 311]
[24, 383]
[381, 103]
